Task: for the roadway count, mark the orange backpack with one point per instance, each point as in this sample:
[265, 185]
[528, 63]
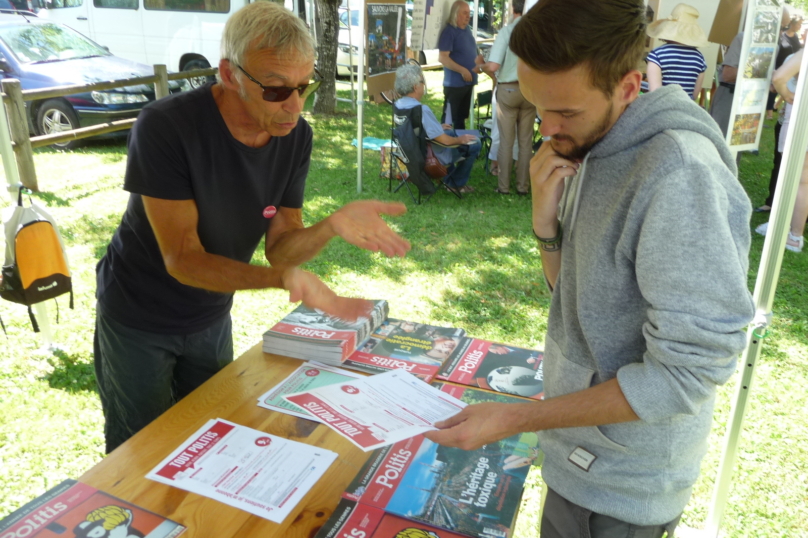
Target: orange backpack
[36, 267]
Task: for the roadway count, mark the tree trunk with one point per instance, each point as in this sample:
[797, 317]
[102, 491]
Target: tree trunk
[325, 100]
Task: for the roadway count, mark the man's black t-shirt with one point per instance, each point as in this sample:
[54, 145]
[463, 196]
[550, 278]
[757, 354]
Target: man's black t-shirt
[181, 149]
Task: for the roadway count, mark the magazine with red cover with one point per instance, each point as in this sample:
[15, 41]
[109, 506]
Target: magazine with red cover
[307, 333]
[78, 510]
[499, 367]
[473, 493]
[418, 348]
[351, 519]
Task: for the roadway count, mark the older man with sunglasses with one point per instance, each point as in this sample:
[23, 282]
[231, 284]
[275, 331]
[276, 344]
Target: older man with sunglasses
[210, 173]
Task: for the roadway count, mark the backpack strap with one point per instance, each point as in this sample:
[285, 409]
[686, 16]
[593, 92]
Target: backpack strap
[33, 320]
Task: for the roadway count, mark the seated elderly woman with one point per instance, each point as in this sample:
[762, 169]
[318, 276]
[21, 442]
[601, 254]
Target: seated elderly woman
[410, 84]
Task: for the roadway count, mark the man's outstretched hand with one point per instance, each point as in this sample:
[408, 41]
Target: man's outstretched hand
[360, 223]
[306, 287]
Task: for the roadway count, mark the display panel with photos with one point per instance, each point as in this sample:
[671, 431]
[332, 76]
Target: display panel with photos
[756, 64]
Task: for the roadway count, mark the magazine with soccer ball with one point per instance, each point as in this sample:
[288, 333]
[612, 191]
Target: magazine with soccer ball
[498, 367]
[417, 348]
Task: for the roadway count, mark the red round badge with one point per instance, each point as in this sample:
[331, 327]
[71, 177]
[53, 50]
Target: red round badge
[350, 389]
[312, 372]
[269, 211]
[263, 441]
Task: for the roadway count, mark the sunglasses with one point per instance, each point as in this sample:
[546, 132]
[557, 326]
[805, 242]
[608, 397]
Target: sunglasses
[278, 94]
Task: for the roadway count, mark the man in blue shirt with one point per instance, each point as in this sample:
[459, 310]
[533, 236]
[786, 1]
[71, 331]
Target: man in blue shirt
[461, 64]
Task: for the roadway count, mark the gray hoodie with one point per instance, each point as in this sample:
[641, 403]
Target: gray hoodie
[653, 291]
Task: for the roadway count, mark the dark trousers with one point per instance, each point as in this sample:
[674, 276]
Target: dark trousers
[459, 172]
[778, 157]
[141, 374]
[459, 99]
[564, 519]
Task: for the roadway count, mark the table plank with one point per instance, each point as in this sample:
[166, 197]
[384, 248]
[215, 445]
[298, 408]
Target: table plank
[232, 394]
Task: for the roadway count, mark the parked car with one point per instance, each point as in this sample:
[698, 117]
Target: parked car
[43, 54]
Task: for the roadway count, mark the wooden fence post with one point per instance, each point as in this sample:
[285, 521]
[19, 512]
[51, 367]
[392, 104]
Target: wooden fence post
[161, 86]
[18, 125]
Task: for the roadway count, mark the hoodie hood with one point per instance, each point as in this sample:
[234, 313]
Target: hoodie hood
[668, 108]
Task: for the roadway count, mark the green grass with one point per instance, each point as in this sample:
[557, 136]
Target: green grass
[473, 265]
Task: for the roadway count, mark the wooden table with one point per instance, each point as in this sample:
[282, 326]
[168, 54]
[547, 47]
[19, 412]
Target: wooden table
[232, 394]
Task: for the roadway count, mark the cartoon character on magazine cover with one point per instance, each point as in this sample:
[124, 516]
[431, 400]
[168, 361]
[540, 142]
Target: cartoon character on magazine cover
[414, 532]
[108, 522]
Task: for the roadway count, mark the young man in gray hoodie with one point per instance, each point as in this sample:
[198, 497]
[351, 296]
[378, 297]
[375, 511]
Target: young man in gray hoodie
[643, 231]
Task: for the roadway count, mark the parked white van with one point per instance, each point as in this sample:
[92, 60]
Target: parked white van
[182, 34]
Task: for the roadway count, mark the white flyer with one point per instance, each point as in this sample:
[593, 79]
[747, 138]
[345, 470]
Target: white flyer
[257, 472]
[379, 410]
[310, 375]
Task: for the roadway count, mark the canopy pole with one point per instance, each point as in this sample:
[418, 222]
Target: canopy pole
[474, 88]
[360, 101]
[765, 287]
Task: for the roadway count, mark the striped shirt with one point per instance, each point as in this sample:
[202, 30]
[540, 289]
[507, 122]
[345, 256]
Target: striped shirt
[679, 64]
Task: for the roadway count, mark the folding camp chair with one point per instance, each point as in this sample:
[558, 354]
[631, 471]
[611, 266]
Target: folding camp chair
[408, 155]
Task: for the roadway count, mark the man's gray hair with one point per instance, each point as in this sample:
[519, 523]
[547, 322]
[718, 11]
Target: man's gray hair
[452, 20]
[407, 77]
[265, 25]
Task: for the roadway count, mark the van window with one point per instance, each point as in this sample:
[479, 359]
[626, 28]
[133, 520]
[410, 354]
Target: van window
[117, 4]
[56, 4]
[211, 6]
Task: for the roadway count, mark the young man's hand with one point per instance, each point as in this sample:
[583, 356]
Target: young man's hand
[480, 424]
[547, 172]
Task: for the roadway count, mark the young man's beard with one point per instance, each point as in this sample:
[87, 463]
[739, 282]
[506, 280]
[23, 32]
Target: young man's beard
[578, 152]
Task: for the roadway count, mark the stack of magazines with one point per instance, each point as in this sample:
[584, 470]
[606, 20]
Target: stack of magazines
[307, 334]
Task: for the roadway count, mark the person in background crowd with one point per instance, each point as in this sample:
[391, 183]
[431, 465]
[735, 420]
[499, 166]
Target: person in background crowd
[643, 233]
[212, 172]
[460, 160]
[515, 115]
[789, 44]
[678, 61]
[461, 65]
[785, 83]
[721, 102]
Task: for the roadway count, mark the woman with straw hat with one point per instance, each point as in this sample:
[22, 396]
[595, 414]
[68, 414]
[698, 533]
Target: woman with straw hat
[678, 61]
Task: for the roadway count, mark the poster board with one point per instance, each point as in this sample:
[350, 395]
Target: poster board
[428, 20]
[761, 34]
[726, 22]
[386, 45]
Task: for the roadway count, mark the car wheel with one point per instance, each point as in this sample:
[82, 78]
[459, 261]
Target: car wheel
[56, 116]
[199, 63]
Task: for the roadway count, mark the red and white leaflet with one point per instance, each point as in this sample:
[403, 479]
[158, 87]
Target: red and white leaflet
[257, 472]
[379, 410]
